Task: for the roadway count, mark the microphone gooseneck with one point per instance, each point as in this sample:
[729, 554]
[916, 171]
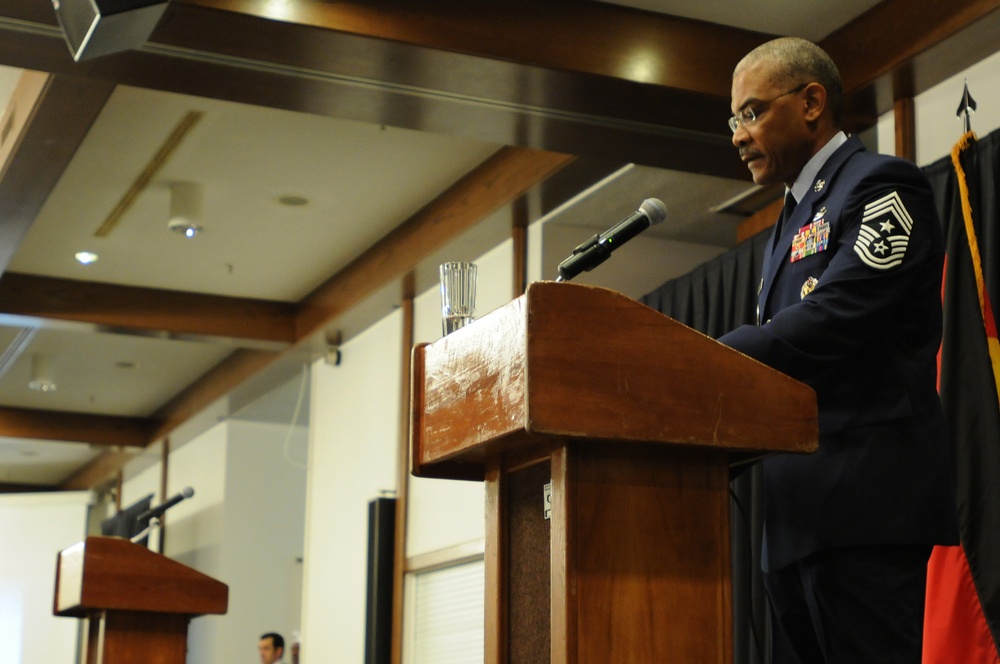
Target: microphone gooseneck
[157, 512]
[596, 250]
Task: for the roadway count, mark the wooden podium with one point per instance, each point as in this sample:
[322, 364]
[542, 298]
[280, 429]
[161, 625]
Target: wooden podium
[138, 603]
[605, 432]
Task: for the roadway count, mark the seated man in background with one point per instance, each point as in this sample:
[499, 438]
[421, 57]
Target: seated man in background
[271, 648]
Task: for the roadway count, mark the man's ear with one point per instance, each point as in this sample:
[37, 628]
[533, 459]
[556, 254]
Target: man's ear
[815, 100]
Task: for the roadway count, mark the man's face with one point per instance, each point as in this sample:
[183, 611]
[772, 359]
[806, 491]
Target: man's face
[268, 653]
[775, 145]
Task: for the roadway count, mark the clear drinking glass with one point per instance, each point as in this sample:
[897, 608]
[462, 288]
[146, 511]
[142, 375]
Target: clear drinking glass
[458, 295]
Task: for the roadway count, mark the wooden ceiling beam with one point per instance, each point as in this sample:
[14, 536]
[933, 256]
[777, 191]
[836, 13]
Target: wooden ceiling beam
[915, 45]
[104, 430]
[590, 79]
[11, 487]
[98, 471]
[586, 38]
[240, 366]
[581, 78]
[147, 311]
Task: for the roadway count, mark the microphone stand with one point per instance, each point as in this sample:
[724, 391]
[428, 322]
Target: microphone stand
[154, 522]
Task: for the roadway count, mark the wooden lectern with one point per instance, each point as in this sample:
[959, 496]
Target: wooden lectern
[605, 432]
[138, 603]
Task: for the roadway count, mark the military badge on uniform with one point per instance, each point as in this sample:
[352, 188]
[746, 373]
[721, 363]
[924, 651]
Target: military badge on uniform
[885, 233]
[811, 239]
[808, 287]
[818, 186]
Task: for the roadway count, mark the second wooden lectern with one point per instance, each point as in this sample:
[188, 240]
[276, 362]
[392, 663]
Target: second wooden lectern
[604, 431]
[138, 603]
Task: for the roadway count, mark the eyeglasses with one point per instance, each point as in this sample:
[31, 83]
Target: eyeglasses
[749, 115]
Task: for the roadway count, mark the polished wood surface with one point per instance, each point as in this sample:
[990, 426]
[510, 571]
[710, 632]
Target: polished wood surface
[127, 637]
[629, 421]
[136, 603]
[647, 577]
[111, 573]
[525, 373]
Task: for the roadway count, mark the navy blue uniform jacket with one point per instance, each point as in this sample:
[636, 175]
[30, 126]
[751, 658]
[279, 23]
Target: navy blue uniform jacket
[850, 304]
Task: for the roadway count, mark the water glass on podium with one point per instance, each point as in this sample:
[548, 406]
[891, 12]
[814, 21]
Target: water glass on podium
[458, 295]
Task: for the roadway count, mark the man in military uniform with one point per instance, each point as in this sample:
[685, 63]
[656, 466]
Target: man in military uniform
[850, 304]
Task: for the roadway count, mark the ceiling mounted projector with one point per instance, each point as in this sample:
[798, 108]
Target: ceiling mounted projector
[100, 27]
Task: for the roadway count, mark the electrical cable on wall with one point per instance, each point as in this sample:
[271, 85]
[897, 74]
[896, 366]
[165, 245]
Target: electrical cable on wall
[295, 419]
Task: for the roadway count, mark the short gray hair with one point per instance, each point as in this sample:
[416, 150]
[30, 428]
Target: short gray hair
[792, 61]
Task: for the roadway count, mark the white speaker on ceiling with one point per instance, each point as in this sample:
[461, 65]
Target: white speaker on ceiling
[99, 27]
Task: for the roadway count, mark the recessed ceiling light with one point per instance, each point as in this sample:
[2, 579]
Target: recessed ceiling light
[292, 200]
[86, 257]
[42, 375]
[187, 199]
[183, 227]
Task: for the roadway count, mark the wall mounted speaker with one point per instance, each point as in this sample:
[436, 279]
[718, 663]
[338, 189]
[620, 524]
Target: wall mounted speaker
[100, 27]
[381, 553]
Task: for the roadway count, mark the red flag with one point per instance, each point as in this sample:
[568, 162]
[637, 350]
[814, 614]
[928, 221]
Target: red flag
[962, 616]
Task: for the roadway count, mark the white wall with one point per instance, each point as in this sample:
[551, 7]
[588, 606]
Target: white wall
[195, 532]
[445, 513]
[353, 445]
[264, 529]
[244, 526]
[34, 528]
[354, 433]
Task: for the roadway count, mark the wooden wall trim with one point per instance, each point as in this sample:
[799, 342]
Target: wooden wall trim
[402, 472]
[763, 218]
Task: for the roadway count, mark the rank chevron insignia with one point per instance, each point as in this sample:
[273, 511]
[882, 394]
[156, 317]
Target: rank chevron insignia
[885, 233]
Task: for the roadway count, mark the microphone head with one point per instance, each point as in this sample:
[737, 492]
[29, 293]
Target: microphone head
[654, 210]
[187, 492]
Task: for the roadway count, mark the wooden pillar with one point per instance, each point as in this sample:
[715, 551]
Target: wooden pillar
[402, 471]
[906, 134]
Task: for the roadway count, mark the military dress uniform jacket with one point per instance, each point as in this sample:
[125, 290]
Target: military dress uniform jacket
[850, 304]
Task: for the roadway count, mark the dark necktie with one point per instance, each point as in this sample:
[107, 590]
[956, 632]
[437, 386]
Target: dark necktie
[786, 212]
[783, 220]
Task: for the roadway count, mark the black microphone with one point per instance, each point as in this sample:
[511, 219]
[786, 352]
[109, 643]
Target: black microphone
[158, 511]
[596, 250]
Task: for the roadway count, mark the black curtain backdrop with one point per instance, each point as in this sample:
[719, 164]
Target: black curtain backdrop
[721, 295]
